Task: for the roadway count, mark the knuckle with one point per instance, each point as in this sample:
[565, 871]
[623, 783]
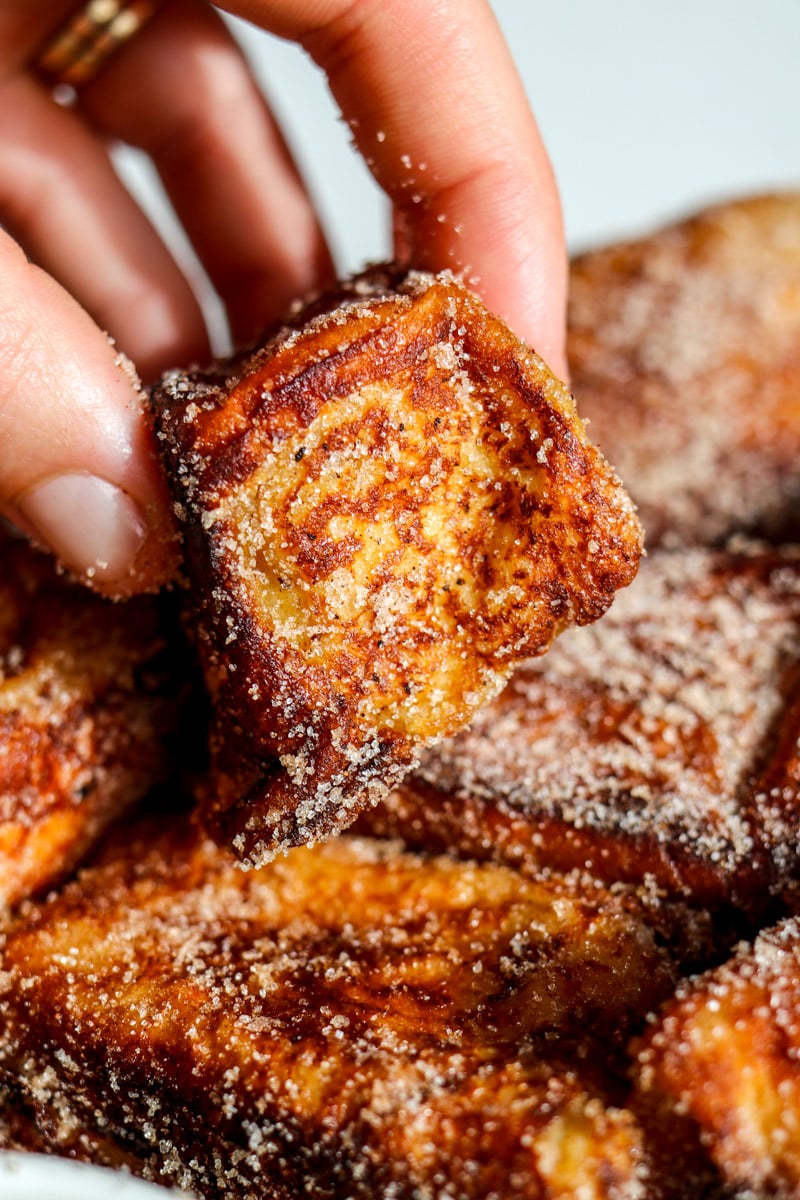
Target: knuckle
[339, 38]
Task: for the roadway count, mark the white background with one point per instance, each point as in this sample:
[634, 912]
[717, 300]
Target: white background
[649, 110]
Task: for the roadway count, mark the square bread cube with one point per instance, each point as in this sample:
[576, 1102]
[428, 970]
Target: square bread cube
[387, 506]
[349, 1021]
[683, 348]
[659, 746]
[89, 698]
[717, 1074]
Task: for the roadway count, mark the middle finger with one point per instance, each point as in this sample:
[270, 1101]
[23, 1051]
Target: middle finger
[182, 91]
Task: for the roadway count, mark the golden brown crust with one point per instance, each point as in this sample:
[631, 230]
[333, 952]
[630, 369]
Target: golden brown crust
[349, 1021]
[684, 349]
[386, 508]
[86, 705]
[723, 1059]
[660, 744]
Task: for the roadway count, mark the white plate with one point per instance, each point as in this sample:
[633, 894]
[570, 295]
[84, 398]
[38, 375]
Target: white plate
[40, 1177]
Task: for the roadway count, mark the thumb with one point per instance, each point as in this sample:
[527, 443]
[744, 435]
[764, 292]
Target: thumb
[77, 467]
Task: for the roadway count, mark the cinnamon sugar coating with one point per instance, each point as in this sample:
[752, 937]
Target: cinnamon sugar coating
[386, 507]
[660, 744]
[684, 349]
[365, 1019]
[349, 1021]
[87, 703]
[719, 1069]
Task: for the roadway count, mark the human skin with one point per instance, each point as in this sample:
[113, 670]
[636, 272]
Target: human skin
[472, 191]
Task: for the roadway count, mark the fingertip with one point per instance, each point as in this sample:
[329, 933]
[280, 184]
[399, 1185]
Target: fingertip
[447, 130]
[117, 543]
[78, 468]
[158, 560]
[507, 245]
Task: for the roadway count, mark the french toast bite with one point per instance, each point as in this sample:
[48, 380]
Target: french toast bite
[88, 701]
[386, 507]
[349, 1021]
[684, 349]
[661, 744]
[720, 1069]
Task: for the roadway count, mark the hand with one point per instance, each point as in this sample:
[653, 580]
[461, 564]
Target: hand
[439, 114]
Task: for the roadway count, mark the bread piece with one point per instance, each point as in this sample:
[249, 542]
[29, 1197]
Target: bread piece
[685, 356]
[349, 1021]
[87, 703]
[720, 1068]
[386, 507]
[660, 744]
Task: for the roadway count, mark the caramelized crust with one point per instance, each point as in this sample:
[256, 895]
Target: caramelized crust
[350, 1021]
[685, 356]
[359, 1020]
[386, 508]
[723, 1058]
[661, 743]
[86, 703]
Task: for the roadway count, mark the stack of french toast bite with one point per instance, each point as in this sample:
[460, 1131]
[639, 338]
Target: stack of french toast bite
[449, 912]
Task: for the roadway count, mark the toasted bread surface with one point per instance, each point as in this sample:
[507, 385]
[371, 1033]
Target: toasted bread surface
[685, 360]
[347, 1021]
[87, 703]
[720, 1067]
[661, 743]
[386, 507]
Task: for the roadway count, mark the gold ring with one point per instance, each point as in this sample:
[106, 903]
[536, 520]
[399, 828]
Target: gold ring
[77, 51]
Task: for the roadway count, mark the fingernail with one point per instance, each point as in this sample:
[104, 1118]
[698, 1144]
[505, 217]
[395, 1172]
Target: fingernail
[91, 525]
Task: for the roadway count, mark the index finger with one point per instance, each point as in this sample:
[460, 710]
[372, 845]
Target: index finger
[438, 110]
